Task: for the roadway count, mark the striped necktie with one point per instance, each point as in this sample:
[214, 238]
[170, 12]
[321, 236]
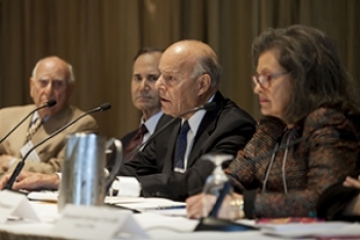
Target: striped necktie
[33, 128]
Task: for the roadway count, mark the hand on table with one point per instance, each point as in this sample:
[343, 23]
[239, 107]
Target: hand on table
[32, 181]
[200, 205]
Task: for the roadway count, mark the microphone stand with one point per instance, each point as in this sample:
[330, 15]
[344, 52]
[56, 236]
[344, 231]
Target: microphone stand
[48, 104]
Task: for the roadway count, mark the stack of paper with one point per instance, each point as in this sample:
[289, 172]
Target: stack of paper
[146, 204]
[318, 229]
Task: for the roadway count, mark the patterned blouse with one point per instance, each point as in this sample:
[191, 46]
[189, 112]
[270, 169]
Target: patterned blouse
[282, 172]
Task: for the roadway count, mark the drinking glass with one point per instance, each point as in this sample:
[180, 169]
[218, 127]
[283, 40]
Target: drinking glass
[214, 185]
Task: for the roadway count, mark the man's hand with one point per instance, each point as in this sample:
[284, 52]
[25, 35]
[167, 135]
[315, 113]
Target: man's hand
[32, 181]
[36, 181]
[4, 180]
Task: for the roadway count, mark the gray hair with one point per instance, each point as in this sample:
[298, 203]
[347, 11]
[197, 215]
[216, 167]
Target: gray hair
[70, 68]
[209, 65]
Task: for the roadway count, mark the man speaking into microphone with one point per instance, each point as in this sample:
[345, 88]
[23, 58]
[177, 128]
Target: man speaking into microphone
[52, 80]
[170, 167]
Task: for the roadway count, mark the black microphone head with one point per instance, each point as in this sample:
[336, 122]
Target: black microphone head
[105, 106]
[51, 103]
[209, 106]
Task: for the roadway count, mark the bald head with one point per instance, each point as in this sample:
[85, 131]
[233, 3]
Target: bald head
[190, 75]
[200, 56]
[52, 79]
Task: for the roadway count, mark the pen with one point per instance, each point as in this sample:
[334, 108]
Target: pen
[166, 207]
[122, 207]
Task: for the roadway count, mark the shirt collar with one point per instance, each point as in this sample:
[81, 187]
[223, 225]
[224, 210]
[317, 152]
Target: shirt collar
[151, 123]
[36, 116]
[195, 120]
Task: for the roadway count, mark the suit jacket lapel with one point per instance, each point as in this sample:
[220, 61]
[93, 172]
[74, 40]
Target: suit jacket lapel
[206, 127]
[23, 129]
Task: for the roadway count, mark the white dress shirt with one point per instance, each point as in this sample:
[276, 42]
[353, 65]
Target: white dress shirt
[129, 186]
[150, 125]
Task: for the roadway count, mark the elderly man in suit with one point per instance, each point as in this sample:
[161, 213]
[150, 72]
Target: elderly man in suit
[52, 79]
[170, 166]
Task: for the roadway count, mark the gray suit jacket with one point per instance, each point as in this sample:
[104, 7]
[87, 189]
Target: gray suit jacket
[51, 152]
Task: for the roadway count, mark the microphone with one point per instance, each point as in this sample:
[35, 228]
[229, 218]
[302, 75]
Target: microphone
[210, 106]
[48, 104]
[207, 106]
[20, 165]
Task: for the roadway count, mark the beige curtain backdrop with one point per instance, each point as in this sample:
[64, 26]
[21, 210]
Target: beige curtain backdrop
[100, 37]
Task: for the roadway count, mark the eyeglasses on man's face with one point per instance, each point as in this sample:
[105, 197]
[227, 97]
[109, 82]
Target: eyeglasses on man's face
[263, 80]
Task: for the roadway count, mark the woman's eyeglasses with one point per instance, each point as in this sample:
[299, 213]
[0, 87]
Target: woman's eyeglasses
[264, 79]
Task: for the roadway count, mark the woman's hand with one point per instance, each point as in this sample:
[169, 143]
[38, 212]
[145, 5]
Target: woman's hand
[200, 205]
[195, 205]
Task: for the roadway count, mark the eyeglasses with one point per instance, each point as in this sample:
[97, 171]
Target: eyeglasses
[264, 79]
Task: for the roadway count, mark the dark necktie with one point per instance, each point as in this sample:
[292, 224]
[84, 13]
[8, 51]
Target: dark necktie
[136, 141]
[181, 144]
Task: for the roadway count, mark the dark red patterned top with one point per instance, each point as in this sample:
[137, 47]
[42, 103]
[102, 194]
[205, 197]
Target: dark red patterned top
[329, 150]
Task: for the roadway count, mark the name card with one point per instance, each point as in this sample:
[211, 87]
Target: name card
[33, 156]
[90, 222]
[13, 204]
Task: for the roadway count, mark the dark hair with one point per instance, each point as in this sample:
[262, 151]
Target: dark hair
[147, 50]
[318, 77]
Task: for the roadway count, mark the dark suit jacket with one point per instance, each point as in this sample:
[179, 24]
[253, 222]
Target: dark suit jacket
[224, 130]
[127, 138]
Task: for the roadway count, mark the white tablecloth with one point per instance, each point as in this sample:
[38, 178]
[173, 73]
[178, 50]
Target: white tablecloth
[156, 226]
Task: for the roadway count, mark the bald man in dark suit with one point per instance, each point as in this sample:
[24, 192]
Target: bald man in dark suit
[170, 167]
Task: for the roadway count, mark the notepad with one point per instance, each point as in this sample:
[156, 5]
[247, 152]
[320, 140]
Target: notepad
[46, 196]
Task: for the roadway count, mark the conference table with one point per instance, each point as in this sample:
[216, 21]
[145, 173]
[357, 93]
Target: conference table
[155, 223]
